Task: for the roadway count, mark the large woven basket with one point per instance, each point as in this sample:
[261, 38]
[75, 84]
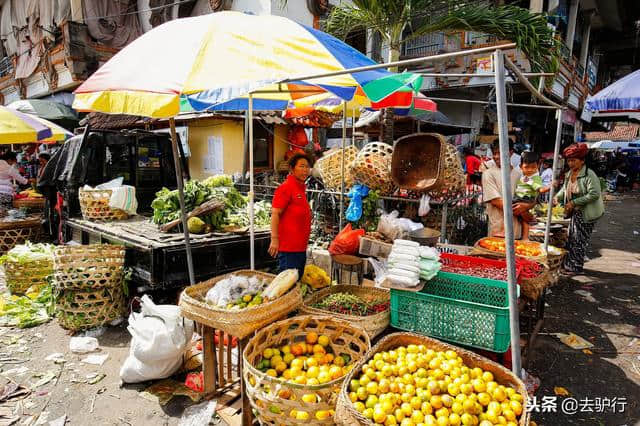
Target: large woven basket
[22, 275]
[17, 232]
[347, 415]
[83, 309]
[372, 324]
[532, 288]
[372, 167]
[266, 393]
[30, 203]
[88, 267]
[454, 180]
[330, 167]
[418, 160]
[94, 204]
[238, 323]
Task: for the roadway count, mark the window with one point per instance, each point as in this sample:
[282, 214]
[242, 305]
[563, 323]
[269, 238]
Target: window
[262, 146]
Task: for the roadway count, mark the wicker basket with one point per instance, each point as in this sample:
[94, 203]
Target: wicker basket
[418, 160]
[94, 204]
[372, 324]
[347, 415]
[532, 288]
[238, 323]
[330, 167]
[264, 392]
[83, 309]
[17, 232]
[21, 276]
[454, 180]
[372, 167]
[88, 267]
[29, 203]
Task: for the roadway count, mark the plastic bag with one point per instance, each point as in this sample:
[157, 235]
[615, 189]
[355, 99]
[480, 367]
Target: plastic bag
[389, 226]
[347, 241]
[354, 211]
[124, 198]
[379, 269]
[160, 336]
[82, 345]
[424, 208]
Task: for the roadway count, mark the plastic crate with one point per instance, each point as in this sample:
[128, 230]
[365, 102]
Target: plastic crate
[470, 262]
[457, 308]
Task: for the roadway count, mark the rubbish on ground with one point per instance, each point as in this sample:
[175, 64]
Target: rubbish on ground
[198, 415]
[12, 390]
[610, 311]
[6, 416]
[574, 341]
[586, 295]
[195, 381]
[96, 379]
[27, 311]
[163, 391]
[82, 345]
[44, 378]
[531, 382]
[94, 332]
[95, 359]
[60, 421]
[56, 357]
[560, 391]
[19, 371]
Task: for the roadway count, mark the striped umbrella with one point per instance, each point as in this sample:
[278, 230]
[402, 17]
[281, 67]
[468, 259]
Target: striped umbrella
[17, 127]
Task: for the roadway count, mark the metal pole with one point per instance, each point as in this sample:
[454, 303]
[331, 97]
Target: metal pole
[344, 138]
[353, 125]
[445, 74]
[507, 200]
[183, 214]
[251, 194]
[525, 81]
[468, 101]
[556, 153]
[443, 222]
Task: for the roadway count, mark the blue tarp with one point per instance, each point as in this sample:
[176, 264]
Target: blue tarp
[623, 95]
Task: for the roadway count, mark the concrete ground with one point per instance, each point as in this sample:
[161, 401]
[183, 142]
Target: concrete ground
[607, 314]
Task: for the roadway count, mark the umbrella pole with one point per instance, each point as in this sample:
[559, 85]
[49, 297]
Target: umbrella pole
[556, 152]
[353, 125]
[507, 201]
[344, 138]
[183, 213]
[251, 194]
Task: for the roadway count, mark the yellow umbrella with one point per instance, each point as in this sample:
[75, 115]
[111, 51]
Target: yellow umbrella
[17, 127]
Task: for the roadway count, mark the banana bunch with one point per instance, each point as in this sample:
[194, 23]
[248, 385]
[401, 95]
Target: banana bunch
[315, 277]
[31, 193]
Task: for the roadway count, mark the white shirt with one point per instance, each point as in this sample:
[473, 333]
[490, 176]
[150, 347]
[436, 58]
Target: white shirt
[7, 175]
[547, 177]
[515, 161]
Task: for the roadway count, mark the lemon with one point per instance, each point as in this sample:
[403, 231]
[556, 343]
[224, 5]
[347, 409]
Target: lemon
[309, 398]
[324, 377]
[426, 408]
[285, 349]
[281, 367]
[323, 340]
[484, 398]
[368, 413]
[390, 420]
[302, 415]
[417, 416]
[301, 380]
[436, 402]
[312, 337]
[499, 394]
[516, 407]
[454, 419]
[313, 382]
[267, 353]
[466, 419]
[323, 414]
[485, 423]
[442, 421]
[379, 416]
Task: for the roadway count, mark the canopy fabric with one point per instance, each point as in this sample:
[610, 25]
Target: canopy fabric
[623, 95]
[223, 56]
[17, 127]
[49, 110]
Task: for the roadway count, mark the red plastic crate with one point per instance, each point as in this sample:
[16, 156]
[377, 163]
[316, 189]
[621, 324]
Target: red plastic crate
[470, 262]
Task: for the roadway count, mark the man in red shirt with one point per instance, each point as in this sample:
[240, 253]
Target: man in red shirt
[291, 217]
[472, 163]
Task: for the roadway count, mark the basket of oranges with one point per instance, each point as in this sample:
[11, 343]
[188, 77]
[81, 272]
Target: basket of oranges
[293, 369]
[408, 379]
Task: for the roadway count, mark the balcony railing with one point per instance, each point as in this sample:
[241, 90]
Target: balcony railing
[428, 44]
[6, 66]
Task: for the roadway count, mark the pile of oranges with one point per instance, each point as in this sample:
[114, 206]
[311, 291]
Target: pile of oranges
[412, 385]
[309, 362]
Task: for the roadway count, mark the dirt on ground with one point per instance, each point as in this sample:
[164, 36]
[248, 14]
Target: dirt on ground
[606, 313]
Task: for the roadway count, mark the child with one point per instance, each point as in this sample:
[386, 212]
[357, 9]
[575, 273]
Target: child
[528, 187]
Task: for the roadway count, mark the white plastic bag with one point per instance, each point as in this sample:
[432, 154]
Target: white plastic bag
[124, 198]
[379, 269]
[389, 225]
[424, 208]
[82, 345]
[114, 183]
[160, 336]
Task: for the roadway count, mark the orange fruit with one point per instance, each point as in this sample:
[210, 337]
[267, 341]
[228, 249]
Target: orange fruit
[312, 338]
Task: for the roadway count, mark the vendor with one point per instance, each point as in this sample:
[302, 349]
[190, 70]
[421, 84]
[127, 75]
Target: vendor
[43, 159]
[492, 196]
[9, 174]
[291, 217]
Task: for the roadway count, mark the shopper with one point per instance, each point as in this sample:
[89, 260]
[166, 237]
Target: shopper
[43, 159]
[9, 174]
[472, 164]
[291, 217]
[582, 200]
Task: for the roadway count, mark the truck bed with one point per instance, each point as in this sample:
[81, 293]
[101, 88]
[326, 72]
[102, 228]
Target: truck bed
[158, 259]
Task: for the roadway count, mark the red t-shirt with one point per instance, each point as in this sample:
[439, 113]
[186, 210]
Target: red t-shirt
[473, 165]
[295, 220]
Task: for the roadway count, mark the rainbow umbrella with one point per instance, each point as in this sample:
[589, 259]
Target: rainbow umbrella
[17, 127]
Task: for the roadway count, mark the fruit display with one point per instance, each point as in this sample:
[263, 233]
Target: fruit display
[29, 193]
[523, 248]
[350, 304]
[416, 385]
[557, 212]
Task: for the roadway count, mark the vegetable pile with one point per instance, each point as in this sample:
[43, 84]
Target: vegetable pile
[28, 252]
[34, 308]
[166, 206]
[466, 266]
[350, 304]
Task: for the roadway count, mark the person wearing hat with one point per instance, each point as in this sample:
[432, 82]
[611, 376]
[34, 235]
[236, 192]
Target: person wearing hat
[582, 200]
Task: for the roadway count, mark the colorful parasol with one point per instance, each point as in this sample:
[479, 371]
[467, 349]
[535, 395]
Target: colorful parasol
[17, 127]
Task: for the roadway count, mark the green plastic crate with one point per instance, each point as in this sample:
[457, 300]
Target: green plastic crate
[457, 308]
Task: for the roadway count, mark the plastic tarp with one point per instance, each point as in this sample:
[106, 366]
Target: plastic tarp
[623, 95]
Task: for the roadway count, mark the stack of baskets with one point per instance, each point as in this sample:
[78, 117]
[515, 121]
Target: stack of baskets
[94, 204]
[330, 167]
[17, 232]
[372, 167]
[88, 285]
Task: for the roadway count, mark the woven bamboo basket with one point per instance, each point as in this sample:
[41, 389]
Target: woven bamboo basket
[372, 324]
[88, 267]
[266, 393]
[30, 203]
[418, 160]
[94, 204]
[532, 288]
[347, 415]
[454, 180]
[83, 309]
[239, 323]
[330, 167]
[372, 167]
[17, 232]
[21, 276]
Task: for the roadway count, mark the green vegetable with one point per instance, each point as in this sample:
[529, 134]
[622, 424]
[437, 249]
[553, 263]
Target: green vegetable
[27, 311]
[28, 252]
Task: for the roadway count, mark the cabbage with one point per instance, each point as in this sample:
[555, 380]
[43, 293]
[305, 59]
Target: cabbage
[29, 252]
